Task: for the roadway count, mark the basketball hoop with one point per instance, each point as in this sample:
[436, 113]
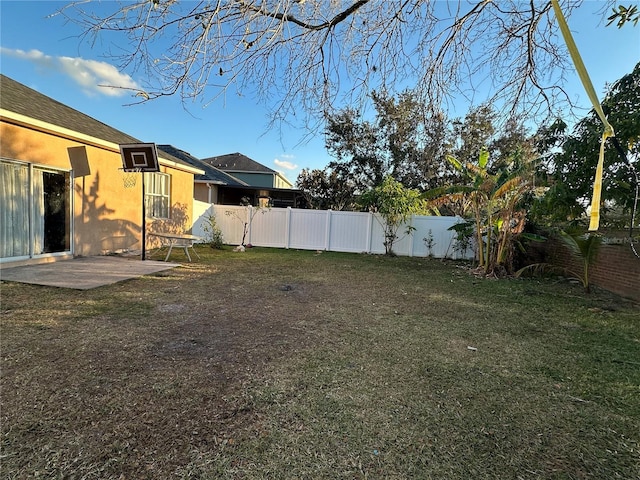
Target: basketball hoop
[139, 158]
[130, 177]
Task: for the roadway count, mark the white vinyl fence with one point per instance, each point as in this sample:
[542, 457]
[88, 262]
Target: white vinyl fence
[358, 232]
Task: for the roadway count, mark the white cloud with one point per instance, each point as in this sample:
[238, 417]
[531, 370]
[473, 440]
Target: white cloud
[93, 76]
[285, 164]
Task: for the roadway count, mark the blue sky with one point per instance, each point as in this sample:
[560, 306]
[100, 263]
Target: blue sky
[47, 55]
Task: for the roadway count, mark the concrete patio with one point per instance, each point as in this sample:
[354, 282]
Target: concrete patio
[83, 273]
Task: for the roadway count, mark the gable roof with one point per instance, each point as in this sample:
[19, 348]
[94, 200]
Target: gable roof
[211, 173]
[237, 162]
[22, 100]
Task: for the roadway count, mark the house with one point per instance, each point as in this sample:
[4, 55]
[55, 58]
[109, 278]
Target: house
[249, 171]
[63, 190]
[210, 186]
[227, 187]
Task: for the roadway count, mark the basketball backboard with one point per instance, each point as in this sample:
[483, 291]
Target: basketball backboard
[139, 157]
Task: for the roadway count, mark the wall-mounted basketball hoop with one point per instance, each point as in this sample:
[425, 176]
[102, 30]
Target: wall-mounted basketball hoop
[139, 158]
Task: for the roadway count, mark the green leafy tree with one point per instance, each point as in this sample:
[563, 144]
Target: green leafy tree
[395, 204]
[569, 159]
[623, 15]
[494, 183]
[473, 133]
[403, 141]
[326, 189]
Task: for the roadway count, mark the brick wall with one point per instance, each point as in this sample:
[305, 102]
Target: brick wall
[616, 268]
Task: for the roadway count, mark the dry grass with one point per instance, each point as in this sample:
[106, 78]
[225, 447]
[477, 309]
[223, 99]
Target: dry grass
[284, 364]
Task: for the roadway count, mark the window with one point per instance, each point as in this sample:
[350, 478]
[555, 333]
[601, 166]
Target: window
[157, 194]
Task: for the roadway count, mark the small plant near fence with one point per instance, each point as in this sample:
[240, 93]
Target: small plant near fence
[248, 219]
[429, 242]
[213, 233]
[583, 247]
[462, 241]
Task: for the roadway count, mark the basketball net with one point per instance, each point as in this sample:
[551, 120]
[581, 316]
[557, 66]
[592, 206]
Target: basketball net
[130, 177]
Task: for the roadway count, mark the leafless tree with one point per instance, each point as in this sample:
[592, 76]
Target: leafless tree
[302, 58]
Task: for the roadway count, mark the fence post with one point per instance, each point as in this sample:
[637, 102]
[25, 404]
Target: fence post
[287, 229]
[327, 238]
[369, 231]
[249, 222]
[411, 235]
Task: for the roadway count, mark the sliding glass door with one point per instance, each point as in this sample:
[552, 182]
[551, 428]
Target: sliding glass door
[35, 211]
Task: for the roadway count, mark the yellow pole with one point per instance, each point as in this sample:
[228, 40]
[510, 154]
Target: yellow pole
[608, 129]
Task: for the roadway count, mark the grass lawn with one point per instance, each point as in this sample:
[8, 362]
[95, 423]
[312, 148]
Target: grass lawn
[291, 364]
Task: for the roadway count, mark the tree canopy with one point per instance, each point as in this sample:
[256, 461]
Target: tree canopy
[326, 190]
[403, 140]
[570, 157]
[303, 57]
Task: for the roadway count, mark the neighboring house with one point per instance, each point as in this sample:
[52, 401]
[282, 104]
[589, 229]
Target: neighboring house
[226, 187]
[62, 190]
[210, 186]
[249, 171]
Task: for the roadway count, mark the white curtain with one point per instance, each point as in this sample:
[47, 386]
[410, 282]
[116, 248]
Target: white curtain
[14, 210]
[37, 219]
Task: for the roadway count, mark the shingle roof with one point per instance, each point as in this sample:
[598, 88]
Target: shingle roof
[23, 100]
[211, 174]
[237, 162]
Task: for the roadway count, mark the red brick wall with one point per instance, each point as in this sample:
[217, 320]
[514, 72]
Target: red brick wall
[616, 268]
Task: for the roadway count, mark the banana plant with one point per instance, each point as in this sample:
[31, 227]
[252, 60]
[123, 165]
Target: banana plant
[492, 199]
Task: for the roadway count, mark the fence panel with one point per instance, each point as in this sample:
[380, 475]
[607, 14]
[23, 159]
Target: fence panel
[308, 229]
[328, 230]
[349, 232]
[201, 212]
[230, 219]
[434, 228]
[268, 228]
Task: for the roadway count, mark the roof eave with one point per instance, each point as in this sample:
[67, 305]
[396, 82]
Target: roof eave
[50, 128]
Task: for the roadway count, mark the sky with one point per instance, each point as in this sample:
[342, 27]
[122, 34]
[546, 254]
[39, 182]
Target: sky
[46, 54]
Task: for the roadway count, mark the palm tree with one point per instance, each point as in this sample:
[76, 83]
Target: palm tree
[583, 247]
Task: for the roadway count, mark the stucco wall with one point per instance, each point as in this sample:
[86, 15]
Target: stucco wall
[107, 217]
[201, 192]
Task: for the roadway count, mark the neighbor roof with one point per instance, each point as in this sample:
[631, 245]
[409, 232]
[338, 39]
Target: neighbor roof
[237, 162]
[211, 174]
[18, 98]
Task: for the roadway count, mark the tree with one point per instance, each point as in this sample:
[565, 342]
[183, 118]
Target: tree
[395, 204]
[302, 57]
[624, 15]
[326, 189]
[570, 158]
[493, 196]
[403, 141]
[473, 133]
[583, 247]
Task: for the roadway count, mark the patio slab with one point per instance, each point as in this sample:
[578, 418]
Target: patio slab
[83, 273]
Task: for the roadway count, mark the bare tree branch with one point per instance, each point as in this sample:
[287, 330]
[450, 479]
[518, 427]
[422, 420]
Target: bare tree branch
[304, 58]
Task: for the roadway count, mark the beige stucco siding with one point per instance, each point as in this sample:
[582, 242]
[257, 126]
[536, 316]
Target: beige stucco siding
[106, 216]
